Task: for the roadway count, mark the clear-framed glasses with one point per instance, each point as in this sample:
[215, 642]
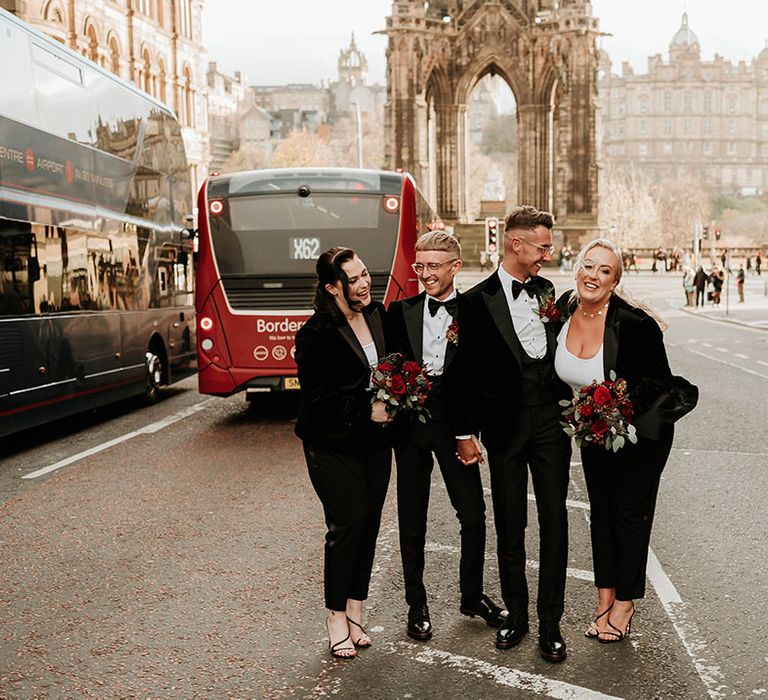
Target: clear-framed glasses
[545, 249]
[418, 268]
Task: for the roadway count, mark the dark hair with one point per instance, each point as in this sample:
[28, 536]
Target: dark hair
[527, 218]
[329, 271]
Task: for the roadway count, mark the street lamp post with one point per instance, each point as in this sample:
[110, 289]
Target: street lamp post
[358, 134]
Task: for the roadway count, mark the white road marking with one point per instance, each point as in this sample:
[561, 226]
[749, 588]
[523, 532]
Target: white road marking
[743, 357]
[730, 364]
[710, 674]
[722, 349]
[762, 362]
[579, 505]
[146, 430]
[501, 675]
[706, 345]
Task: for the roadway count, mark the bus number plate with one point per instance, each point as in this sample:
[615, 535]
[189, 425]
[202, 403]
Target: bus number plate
[291, 383]
[304, 248]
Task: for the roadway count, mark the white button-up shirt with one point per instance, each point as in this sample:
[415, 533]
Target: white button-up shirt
[525, 318]
[434, 343]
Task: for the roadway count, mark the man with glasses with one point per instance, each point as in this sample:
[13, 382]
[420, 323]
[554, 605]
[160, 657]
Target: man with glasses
[426, 328]
[508, 395]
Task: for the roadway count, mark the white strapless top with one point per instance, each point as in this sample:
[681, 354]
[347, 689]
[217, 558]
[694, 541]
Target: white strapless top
[577, 372]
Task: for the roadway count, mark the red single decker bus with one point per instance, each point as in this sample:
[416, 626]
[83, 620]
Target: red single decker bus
[260, 234]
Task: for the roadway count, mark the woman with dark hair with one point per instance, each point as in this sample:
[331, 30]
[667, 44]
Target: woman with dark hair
[606, 330]
[346, 448]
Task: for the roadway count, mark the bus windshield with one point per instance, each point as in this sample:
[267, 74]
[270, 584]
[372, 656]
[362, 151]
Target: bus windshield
[285, 233]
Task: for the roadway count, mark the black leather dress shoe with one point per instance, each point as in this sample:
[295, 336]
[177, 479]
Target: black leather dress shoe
[511, 632]
[419, 625]
[484, 607]
[551, 643]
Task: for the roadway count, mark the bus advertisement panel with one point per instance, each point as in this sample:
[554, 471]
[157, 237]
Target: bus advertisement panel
[261, 233]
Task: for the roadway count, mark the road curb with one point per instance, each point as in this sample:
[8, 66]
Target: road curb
[732, 321]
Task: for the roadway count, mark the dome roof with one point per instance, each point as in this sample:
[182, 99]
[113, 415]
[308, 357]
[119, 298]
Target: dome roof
[763, 55]
[684, 36]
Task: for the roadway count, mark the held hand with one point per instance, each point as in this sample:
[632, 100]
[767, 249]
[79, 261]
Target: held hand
[469, 451]
[379, 413]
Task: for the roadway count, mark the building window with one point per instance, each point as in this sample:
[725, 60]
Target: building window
[643, 149]
[731, 148]
[687, 102]
[707, 101]
[643, 128]
[686, 126]
[731, 126]
[643, 104]
[707, 125]
[707, 148]
[114, 56]
[667, 126]
[667, 147]
[667, 101]
[732, 103]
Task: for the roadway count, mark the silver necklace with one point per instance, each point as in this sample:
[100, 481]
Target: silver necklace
[598, 313]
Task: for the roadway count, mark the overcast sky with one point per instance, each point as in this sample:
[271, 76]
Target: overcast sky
[298, 41]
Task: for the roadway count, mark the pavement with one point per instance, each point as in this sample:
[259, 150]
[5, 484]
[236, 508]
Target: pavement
[753, 312]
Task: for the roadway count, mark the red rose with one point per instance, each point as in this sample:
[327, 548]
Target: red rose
[412, 367]
[599, 428]
[626, 410]
[586, 410]
[603, 396]
[398, 385]
[385, 367]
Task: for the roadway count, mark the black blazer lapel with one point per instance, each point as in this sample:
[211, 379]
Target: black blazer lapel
[610, 340]
[349, 335]
[414, 325]
[496, 301]
[376, 325]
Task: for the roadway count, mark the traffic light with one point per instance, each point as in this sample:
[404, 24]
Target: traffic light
[717, 234]
[491, 234]
[705, 233]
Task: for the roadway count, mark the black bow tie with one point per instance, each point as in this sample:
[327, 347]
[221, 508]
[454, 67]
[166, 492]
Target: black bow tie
[450, 305]
[529, 287]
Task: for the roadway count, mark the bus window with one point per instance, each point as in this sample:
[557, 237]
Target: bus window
[256, 235]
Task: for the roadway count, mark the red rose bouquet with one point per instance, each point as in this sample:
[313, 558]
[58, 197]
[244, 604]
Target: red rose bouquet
[402, 385]
[600, 414]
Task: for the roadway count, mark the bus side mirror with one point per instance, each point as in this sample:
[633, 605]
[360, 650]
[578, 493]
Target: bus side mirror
[33, 269]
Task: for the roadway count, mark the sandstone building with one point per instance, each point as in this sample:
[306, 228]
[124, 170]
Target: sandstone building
[686, 117]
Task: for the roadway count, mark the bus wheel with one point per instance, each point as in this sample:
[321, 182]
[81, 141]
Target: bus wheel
[154, 375]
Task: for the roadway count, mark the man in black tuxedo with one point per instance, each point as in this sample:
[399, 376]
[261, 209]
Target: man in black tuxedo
[509, 395]
[424, 328]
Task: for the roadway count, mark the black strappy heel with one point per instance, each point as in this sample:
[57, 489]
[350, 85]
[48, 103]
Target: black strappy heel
[336, 652]
[360, 643]
[616, 633]
[592, 631]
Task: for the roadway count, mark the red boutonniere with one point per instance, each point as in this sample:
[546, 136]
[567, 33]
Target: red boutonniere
[547, 309]
[452, 334]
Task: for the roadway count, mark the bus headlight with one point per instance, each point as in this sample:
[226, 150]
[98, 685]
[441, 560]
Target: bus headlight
[206, 344]
[206, 323]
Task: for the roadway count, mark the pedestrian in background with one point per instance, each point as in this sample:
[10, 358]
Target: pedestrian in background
[740, 276]
[758, 263]
[345, 442]
[426, 328]
[717, 279]
[700, 281]
[606, 331]
[688, 285]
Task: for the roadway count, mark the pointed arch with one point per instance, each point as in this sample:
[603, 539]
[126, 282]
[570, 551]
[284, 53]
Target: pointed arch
[113, 45]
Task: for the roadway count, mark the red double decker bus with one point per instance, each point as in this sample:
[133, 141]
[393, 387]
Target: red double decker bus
[260, 235]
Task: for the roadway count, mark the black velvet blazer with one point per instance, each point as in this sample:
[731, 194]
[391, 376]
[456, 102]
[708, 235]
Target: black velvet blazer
[404, 328]
[490, 361]
[335, 410]
[633, 347]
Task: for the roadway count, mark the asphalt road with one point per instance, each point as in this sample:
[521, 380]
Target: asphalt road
[184, 560]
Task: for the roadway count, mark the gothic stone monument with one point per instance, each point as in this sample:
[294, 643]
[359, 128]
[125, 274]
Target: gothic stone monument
[546, 52]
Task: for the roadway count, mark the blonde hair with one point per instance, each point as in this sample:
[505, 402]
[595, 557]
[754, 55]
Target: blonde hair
[619, 290]
[440, 241]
